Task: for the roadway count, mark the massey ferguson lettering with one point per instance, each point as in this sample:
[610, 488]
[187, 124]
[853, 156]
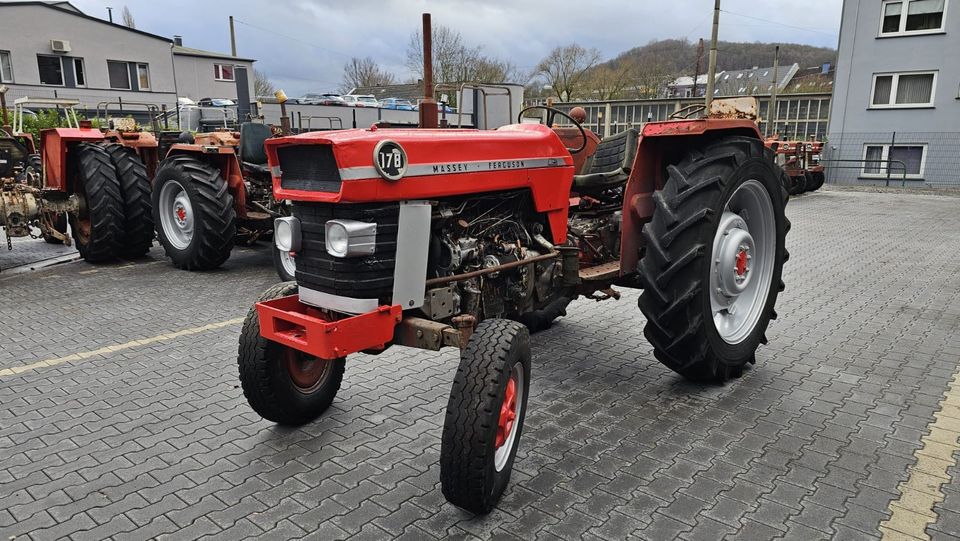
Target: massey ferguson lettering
[474, 166]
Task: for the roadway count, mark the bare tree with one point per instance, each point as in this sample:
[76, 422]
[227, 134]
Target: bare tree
[608, 82]
[261, 84]
[127, 18]
[454, 61]
[364, 72]
[566, 70]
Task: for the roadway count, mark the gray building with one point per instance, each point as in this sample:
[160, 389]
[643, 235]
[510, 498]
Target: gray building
[896, 110]
[52, 49]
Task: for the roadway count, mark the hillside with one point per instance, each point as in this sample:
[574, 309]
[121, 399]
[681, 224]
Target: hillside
[679, 56]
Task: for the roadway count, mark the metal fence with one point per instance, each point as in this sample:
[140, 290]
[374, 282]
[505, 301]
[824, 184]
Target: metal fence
[894, 158]
[798, 116]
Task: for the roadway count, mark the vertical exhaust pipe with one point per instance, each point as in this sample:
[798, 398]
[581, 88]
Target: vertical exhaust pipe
[428, 106]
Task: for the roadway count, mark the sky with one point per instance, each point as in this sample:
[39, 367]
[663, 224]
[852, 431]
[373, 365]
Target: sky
[303, 45]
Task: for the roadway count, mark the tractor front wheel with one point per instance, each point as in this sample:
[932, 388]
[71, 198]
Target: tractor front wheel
[98, 226]
[485, 412]
[135, 189]
[193, 210]
[714, 256]
[282, 384]
[284, 263]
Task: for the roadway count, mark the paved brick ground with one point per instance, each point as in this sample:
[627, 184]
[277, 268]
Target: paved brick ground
[29, 253]
[156, 440]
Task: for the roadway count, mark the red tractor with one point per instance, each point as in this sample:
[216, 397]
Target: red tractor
[471, 239]
[212, 190]
[801, 160]
[82, 176]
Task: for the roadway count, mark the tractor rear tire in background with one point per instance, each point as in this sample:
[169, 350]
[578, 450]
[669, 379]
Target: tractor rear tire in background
[98, 228]
[815, 181]
[282, 384]
[485, 412]
[193, 213]
[135, 188]
[715, 250]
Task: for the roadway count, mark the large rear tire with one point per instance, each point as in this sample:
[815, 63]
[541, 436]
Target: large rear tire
[816, 181]
[193, 212]
[485, 412]
[714, 257]
[98, 227]
[281, 384]
[135, 189]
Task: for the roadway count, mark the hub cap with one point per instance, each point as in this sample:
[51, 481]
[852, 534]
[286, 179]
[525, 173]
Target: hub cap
[176, 215]
[288, 262]
[742, 261]
[307, 373]
[507, 424]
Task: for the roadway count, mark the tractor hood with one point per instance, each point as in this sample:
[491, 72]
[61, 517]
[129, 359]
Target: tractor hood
[387, 164]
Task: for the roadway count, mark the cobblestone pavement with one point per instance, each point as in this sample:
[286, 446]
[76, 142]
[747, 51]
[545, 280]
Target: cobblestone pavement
[29, 253]
[114, 438]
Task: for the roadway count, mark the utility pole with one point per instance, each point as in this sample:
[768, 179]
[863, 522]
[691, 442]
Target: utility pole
[773, 91]
[696, 71]
[110, 13]
[428, 105]
[233, 39]
[712, 69]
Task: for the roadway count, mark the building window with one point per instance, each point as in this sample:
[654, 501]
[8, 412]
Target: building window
[907, 17]
[51, 70]
[143, 76]
[119, 75]
[881, 159]
[223, 72]
[893, 90]
[80, 76]
[6, 67]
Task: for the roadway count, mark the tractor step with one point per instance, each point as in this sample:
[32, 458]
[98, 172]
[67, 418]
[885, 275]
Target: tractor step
[605, 271]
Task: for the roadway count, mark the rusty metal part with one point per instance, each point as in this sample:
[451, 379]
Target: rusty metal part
[490, 270]
[604, 271]
[735, 108]
[464, 323]
[306, 373]
[19, 207]
[604, 294]
[423, 333]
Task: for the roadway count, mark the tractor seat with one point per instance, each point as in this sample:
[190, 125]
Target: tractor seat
[256, 169]
[610, 165]
[252, 153]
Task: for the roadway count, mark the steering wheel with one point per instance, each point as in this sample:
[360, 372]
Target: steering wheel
[551, 112]
[689, 111]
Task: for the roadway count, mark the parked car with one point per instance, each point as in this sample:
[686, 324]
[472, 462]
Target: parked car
[216, 102]
[361, 100]
[397, 104]
[321, 99]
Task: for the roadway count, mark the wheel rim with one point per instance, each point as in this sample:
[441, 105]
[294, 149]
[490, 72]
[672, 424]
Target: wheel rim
[306, 372]
[288, 263]
[508, 423]
[742, 261]
[176, 215]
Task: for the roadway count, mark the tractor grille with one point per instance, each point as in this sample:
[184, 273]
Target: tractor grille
[356, 277]
[308, 167]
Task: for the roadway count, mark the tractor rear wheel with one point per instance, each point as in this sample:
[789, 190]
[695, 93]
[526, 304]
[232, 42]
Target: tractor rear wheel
[193, 212]
[98, 227]
[485, 412]
[282, 384]
[135, 189]
[714, 256]
[815, 181]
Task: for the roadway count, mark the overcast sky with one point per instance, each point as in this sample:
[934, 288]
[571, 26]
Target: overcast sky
[302, 45]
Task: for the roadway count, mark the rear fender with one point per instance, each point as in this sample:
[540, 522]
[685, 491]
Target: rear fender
[661, 144]
[225, 160]
[56, 144]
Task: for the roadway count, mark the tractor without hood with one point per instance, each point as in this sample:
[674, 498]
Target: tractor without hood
[473, 239]
[802, 161]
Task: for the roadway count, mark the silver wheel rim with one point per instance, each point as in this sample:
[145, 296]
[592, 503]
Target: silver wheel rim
[287, 262]
[176, 215]
[502, 454]
[742, 261]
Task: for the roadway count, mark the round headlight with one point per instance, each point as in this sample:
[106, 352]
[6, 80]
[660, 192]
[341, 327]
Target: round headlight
[337, 240]
[283, 235]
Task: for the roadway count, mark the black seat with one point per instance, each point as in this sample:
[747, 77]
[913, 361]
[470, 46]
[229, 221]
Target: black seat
[610, 165]
[252, 153]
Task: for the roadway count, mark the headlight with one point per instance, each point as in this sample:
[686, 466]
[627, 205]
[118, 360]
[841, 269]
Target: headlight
[286, 234]
[348, 238]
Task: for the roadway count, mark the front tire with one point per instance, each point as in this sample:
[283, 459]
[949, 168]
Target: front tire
[193, 212]
[98, 227]
[135, 190]
[714, 257]
[284, 263]
[282, 384]
[485, 412]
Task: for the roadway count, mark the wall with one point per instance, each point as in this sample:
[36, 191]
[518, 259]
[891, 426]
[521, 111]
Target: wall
[195, 77]
[28, 29]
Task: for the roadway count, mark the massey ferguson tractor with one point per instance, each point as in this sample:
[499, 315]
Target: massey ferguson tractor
[80, 176]
[470, 239]
[801, 160]
[212, 190]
